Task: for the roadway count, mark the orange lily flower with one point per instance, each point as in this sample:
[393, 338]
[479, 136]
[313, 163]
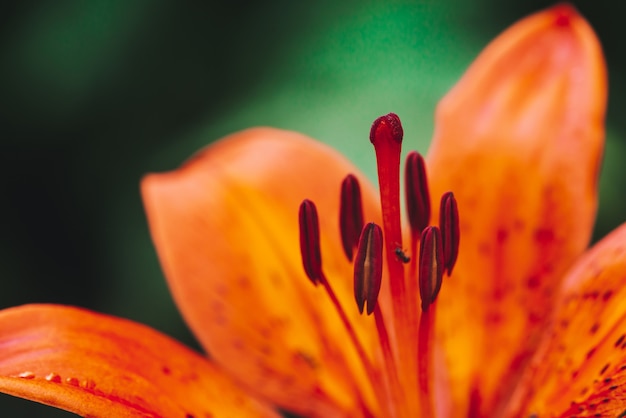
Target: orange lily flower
[527, 323]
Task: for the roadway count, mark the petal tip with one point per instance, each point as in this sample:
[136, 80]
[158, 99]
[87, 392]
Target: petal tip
[564, 14]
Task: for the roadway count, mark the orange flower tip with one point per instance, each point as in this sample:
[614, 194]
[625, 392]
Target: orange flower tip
[350, 215]
[368, 267]
[386, 129]
[450, 231]
[310, 241]
[563, 14]
[431, 266]
[416, 193]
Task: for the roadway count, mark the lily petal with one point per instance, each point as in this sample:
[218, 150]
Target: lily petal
[581, 366]
[225, 226]
[518, 141]
[101, 366]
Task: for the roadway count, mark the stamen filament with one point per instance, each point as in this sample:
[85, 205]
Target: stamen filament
[425, 353]
[394, 386]
[373, 374]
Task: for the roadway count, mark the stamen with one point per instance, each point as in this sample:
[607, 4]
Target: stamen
[450, 232]
[310, 241]
[312, 262]
[417, 198]
[431, 265]
[430, 278]
[372, 373]
[425, 370]
[350, 214]
[417, 194]
[394, 386]
[368, 267]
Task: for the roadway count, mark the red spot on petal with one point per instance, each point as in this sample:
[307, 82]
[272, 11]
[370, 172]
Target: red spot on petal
[88, 384]
[544, 236]
[53, 377]
[533, 281]
[501, 235]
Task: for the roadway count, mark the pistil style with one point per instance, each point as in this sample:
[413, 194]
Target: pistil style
[386, 135]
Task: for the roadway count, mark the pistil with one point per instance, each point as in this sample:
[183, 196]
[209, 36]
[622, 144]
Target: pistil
[386, 135]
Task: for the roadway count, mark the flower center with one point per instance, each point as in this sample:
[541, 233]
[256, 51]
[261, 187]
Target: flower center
[405, 332]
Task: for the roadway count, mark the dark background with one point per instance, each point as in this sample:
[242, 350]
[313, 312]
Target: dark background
[93, 94]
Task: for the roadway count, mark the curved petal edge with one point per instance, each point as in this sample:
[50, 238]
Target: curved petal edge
[100, 366]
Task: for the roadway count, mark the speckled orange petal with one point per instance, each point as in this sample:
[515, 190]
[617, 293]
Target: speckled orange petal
[101, 366]
[518, 141]
[580, 369]
[225, 226]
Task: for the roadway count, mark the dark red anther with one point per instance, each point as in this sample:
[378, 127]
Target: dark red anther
[386, 128]
[431, 265]
[449, 224]
[368, 267]
[417, 194]
[350, 214]
[310, 241]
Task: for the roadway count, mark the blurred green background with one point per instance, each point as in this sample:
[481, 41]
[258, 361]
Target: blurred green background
[93, 94]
